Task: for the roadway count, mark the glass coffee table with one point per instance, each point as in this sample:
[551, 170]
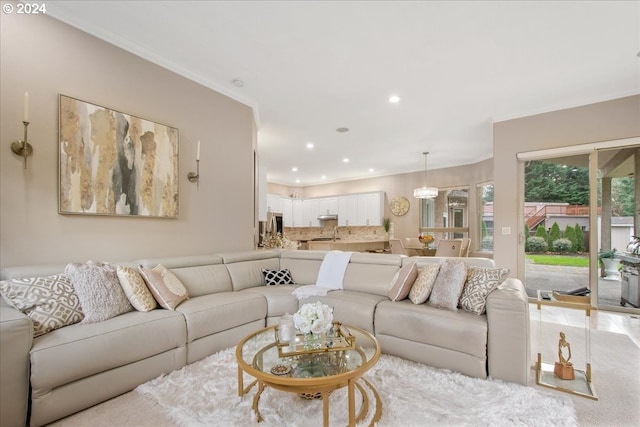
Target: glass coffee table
[311, 374]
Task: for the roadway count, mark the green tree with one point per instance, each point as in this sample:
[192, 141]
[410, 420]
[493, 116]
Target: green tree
[546, 181]
[554, 234]
[622, 200]
[542, 232]
[579, 239]
[570, 234]
[527, 234]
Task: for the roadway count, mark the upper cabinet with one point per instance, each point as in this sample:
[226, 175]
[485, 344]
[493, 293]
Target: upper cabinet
[361, 209]
[353, 210]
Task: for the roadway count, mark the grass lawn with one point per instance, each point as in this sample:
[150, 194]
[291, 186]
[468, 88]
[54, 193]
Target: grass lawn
[566, 260]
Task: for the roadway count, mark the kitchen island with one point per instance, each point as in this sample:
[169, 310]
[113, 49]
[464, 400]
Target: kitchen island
[347, 245]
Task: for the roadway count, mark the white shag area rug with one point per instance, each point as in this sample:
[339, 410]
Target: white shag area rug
[205, 393]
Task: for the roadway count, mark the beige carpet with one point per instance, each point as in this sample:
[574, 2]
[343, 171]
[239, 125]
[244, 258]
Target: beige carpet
[615, 364]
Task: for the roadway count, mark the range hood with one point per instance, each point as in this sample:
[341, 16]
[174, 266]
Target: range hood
[327, 217]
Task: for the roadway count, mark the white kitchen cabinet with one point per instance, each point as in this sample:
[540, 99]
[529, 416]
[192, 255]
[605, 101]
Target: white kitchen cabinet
[273, 203]
[297, 213]
[327, 205]
[310, 212]
[370, 208]
[287, 211]
[347, 210]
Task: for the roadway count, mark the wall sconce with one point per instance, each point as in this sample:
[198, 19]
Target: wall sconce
[194, 176]
[22, 147]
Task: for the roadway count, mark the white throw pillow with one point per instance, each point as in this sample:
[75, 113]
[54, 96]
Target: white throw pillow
[99, 291]
[480, 283]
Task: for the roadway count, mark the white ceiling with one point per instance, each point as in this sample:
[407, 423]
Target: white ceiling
[310, 67]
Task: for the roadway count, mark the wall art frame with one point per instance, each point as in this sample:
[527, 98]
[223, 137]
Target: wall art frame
[113, 163]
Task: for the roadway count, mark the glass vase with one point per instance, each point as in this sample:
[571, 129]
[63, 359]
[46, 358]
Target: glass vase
[312, 341]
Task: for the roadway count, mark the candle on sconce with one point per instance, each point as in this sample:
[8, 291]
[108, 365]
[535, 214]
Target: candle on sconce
[198, 151]
[25, 117]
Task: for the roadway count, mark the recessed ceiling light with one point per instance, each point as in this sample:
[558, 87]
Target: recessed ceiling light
[294, 169]
[345, 160]
[297, 181]
[372, 170]
[342, 130]
[393, 99]
[323, 177]
[309, 145]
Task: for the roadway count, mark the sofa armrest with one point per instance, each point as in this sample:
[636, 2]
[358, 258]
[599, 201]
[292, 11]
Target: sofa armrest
[16, 338]
[508, 340]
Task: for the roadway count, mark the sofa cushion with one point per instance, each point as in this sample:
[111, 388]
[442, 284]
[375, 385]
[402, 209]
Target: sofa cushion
[423, 285]
[456, 330]
[351, 308]
[280, 299]
[277, 277]
[449, 284]
[209, 314]
[51, 302]
[480, 283]
[82, 350]
[403, 281]
[166, 288]
[135, 289]
[99, 290]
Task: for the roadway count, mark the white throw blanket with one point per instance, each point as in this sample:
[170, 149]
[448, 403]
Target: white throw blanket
[330, 276]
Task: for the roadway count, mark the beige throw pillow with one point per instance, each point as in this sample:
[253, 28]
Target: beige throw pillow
[423, 285]
[480, 283]
[99, 291]
[136, 289]
[51, 302]
[402, 282]
[449, 283]
[166, 288]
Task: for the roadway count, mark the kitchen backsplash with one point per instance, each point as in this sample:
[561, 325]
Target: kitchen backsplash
[344, 233]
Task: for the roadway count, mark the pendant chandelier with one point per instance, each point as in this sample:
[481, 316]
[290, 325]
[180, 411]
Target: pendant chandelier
[425, 192]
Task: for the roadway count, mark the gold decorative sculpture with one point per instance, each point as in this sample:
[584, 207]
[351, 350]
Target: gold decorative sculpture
[564, 368]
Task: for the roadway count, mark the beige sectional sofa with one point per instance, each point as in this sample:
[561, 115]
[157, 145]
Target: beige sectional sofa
[69, 369]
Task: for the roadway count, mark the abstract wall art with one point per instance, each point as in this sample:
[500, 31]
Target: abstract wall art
[113, 163]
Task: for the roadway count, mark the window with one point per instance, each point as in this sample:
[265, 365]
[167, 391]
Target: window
[485, 202]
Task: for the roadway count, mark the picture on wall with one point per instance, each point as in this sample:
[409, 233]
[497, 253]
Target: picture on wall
[112, 163]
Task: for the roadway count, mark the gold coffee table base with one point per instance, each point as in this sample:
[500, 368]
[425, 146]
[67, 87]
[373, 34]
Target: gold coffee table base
[324, 395]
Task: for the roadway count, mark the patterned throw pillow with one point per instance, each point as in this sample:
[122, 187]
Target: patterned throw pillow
[480, 283]
[51, 302]
[449, 283]
[277, 277]
[135, 289]
[423, 285]
[403, 281]
[166, 288]
[99, 290]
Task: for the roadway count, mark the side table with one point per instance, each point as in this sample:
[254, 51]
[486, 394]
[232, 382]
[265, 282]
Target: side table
[581, 385]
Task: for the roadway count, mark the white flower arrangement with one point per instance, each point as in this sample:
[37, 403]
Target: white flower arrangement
[313, 318]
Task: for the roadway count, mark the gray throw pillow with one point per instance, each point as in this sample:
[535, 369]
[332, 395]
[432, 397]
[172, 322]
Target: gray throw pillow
[99, 291]
[449, 284]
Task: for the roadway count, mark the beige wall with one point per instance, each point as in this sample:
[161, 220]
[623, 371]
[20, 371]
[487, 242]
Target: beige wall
[45, 57]
[403, 185]
[604, 121]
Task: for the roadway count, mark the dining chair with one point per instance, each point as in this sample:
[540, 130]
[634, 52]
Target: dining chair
[449, 247]
[466, 246]
[397, 247]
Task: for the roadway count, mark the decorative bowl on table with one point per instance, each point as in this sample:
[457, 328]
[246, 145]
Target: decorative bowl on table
[425, 239]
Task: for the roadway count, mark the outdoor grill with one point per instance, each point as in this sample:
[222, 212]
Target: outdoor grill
[630, 293]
